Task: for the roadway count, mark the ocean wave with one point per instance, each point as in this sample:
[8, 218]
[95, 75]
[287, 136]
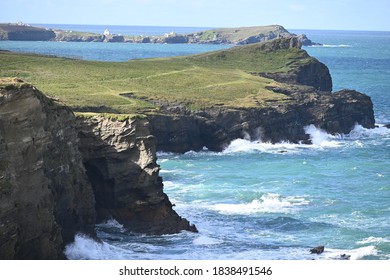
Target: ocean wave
[331, 46]
[352, 254]
[112, 223]
[372, 239]
[85, 248]
[268, 203]
[320, 140]
[204, 240]
[359, 132]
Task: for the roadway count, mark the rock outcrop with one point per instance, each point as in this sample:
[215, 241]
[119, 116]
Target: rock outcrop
[23, 32]
[120, 159]
[232, 36]
[215, 128]
[308, 100]
[49, 190]
[45, 196]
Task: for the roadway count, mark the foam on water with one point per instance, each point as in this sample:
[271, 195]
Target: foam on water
[372, 239]
[112, 223]
[331, 46]
[268, 203]
[204, 240]
[85, 248]
[359, 132]
[320, 140]
[353, 254]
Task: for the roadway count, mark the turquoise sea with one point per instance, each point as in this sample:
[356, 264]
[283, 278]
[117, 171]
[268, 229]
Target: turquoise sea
[257, 200]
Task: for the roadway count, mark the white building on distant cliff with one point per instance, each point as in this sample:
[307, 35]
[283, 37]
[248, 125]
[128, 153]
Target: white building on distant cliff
[106, 32]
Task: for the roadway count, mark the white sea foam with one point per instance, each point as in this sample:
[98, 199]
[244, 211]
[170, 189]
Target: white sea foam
[359, 132]
[85, 248]
[112, 223]
[320, 138]
[332, 46]
[206, 240]
[353, 254]
[372, 239]
[268, 203]
[243, 145]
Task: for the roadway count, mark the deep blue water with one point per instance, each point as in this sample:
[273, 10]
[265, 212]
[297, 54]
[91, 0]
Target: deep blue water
[253, 202]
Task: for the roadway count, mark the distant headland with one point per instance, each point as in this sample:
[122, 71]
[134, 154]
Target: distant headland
[232, 36]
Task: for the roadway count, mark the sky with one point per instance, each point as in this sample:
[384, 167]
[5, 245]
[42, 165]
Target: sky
[292, 14]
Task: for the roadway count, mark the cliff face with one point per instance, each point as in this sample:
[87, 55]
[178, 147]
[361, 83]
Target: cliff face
[14, 32]
[308, 100]
[215, 128]
[45, 197]
[49, 190]
[120, 159]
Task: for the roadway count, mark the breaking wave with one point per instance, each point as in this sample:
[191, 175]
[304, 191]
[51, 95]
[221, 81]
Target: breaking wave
[267, 203]
[320, 140]
[85, 248]
[331, 46]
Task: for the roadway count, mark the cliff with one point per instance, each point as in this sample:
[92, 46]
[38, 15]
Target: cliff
[45, 196]
[231, 36]
[120, 160]
[58, 174]
[181, 130]
[22, 32]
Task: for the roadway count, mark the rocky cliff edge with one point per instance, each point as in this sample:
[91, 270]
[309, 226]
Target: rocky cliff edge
[49, 190]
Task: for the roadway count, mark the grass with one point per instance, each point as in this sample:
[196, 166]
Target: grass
[235, 35]
[211, 79]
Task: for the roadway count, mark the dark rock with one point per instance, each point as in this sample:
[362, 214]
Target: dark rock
[45, 196]
[22, 32]
[114, 38]
[345, 257]
[387, 125]
[317, 250]
[49, 191]
[306, 41]
[120, 159]
[182, 130]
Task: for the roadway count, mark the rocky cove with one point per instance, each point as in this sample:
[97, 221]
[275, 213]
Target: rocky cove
[61, 174]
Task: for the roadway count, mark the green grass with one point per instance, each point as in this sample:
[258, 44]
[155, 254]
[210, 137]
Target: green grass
[211, 79]
[235, 35]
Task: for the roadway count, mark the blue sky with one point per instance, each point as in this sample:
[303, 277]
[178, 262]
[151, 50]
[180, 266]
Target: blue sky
[292, 14]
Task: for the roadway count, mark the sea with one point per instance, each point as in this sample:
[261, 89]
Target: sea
[256, 200]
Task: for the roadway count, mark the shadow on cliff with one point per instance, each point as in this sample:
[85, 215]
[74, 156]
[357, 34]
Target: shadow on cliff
[121, 166]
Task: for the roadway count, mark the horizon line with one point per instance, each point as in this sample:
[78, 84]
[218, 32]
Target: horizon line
[207, 27]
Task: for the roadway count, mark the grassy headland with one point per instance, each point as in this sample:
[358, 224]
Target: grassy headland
[220, 78]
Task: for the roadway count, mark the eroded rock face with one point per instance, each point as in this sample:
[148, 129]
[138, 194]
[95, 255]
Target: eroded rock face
[215, 128]
[49, 190]
[120, 159]
[45, 197]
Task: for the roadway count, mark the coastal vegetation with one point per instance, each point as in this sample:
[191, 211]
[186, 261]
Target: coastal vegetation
[221, 78]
